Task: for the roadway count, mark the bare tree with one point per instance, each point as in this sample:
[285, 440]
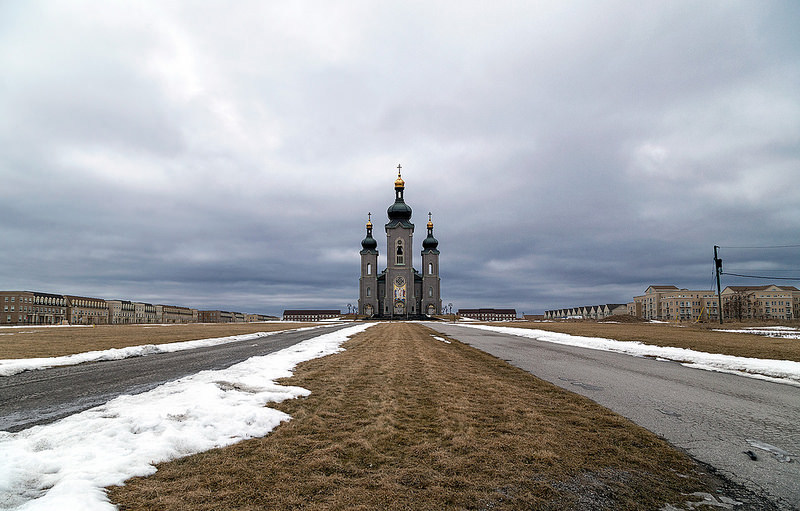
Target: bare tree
[739, 305]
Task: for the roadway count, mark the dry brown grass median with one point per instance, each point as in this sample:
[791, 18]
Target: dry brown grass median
[700, 338]
[403, 421]
[53, 342]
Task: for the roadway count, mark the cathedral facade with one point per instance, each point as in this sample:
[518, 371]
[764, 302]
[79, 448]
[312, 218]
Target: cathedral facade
[399, 291]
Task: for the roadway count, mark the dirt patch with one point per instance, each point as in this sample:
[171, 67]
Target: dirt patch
[401, 420]
[36, 342]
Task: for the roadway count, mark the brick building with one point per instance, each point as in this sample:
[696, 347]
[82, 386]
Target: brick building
[310, 314]
[488, 314]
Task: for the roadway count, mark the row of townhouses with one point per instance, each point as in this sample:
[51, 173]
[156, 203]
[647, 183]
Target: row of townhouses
[34, 308]
[588, 311]
[670, 303]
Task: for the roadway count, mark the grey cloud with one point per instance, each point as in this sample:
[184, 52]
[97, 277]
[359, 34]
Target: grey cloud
[570, 152]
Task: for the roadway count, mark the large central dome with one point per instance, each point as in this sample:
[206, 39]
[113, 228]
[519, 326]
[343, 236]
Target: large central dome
[399, 210]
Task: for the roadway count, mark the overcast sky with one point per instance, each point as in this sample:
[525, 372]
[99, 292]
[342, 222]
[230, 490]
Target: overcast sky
[225, 155]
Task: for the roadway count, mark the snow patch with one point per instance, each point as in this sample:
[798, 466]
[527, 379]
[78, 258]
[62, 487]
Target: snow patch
[783, 332]
[782, 371]
[14, 366]
[441, 339]
[66, 464]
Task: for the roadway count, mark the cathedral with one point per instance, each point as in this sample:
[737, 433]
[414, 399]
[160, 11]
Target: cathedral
[399, 291]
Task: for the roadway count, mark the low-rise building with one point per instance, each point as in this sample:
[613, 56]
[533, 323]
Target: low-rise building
[32, 308]
[173, 314]
[533, 317]
[760, 302]
[649, 304]
[588, 311]
[145, 314]
[487, 314]
[612, 309]
[121, 312]
[83, 310]
[310, 314]
[255, 318]
[689, 305]
[216, 316]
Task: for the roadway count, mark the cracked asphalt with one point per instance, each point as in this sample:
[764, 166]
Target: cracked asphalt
[722, 420]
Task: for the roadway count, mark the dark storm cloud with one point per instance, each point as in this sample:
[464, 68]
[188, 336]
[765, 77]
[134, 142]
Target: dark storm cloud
[571, 152]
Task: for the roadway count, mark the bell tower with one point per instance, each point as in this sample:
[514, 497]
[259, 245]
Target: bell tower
[368, 283]
[399, 300]
[431, 297]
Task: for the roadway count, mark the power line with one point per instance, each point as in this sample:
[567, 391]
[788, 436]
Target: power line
[773, 246]
[758, 276]
[768, 270]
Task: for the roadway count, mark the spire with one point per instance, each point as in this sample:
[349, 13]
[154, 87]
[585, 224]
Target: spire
[399, 212]
[399, 184]
[430, 244]
[369, 245]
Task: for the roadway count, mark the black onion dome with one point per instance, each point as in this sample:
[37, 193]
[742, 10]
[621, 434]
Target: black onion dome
[399, 210]
[430, 243]
[369, 243]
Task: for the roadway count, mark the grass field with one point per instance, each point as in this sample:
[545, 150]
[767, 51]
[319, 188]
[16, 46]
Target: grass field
[52, 342]
[700, 338]
[401, 420]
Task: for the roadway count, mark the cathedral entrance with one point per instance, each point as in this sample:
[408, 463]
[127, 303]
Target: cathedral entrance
[368, 310]
[431, 310]
[399, 308]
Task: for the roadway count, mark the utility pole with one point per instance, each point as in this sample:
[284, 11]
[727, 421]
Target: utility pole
[718, 271]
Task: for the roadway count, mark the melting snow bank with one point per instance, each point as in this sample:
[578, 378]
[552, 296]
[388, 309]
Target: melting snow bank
[781, 371]
[783, 332]
[14, 366]
[66, 465]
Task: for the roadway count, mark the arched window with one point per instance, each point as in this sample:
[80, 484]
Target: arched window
[400, 259]
[430, 268]
[430, 292]
[369, 292]
[369, 268]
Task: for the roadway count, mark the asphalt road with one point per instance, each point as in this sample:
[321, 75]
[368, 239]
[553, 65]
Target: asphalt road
[41, 397]
[709, 415]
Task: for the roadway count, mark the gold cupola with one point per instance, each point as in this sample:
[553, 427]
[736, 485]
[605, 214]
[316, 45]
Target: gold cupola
[399, 183]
